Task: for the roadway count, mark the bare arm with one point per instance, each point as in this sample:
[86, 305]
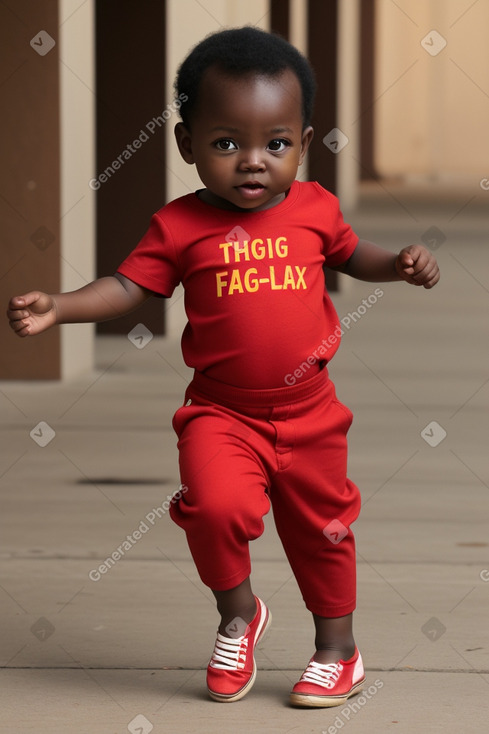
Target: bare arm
[101, 300]
[414, 264]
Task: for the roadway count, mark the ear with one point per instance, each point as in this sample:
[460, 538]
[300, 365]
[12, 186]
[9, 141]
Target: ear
[307, 136]
[184, 142]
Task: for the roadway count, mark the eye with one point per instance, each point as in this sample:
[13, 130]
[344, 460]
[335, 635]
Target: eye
[278, 145]
[225, 144]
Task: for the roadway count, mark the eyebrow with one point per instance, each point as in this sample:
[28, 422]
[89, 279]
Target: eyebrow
[221, 128]
[273, 131]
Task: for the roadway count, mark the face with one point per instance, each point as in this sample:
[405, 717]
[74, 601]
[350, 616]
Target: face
[246, 138]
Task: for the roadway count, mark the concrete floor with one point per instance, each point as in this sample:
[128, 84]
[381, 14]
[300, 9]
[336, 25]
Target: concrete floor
[128, 652]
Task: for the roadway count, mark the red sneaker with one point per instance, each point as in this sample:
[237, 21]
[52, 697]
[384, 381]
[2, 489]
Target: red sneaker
[232, 668]
[329, 684]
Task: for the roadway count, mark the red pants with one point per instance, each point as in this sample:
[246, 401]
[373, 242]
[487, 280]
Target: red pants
[244, 450]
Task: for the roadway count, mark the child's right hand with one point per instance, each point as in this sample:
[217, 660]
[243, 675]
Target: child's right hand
[32, 313]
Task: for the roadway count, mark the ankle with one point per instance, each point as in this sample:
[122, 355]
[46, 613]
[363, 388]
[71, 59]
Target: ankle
[326, 654]
[235, 621]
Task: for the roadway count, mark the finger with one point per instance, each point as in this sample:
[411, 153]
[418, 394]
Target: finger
[415, 251]
[427, 274]
[24, 332]
[406, 260]
[408, 270]
[16, 302]
[432, 271]
[20, 328]
[420, 276]
[424, 266]
[26, 300]
[433, 280]
[16, 314]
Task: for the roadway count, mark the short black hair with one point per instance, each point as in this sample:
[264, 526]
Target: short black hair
[241, 51]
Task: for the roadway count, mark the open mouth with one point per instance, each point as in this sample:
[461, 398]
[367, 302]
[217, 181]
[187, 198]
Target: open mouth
[251, 188]
[253, 185]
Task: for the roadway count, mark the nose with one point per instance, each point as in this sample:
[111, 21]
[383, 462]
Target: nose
[252, 160]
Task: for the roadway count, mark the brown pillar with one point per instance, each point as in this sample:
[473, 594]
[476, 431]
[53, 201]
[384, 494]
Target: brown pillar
[323, 51]
[280, 17]
[131, 93]
[323, 43]
[367, 91]
[29, 177]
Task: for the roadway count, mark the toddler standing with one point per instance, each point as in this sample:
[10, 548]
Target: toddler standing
[249, 249]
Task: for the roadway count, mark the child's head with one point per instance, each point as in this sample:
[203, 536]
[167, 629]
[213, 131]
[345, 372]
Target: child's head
[245, 122]
[240, 52]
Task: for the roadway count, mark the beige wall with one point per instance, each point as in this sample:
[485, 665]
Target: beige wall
[77, 152]
[348, 172]
[432, 112]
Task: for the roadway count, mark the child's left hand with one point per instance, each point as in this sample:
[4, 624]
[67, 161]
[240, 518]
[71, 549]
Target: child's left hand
[416, 265]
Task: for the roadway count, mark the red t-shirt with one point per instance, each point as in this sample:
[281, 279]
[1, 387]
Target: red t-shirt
[258, 312]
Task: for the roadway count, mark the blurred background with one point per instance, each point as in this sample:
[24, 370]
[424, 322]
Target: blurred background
[401, 120]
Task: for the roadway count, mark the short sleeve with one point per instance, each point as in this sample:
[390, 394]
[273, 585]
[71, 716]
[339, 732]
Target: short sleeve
[153, 264]
[342, 241]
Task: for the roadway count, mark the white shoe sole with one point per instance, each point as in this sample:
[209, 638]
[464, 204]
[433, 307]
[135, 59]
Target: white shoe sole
[310, 701]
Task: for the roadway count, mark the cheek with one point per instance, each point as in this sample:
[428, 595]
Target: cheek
[214, 163]
[288, 167]
[213, 172]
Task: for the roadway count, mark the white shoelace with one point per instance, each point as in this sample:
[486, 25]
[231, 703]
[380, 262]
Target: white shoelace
[229, 653]
[322, 675]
